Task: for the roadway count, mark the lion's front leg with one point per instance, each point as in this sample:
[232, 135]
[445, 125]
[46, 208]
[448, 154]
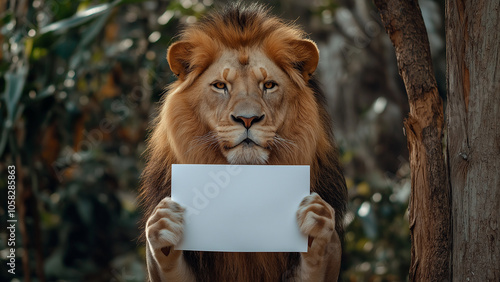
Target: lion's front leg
[321, 262]
[163, 231]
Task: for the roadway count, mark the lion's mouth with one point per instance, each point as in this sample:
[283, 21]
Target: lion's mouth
[247, 151]
[246, 143]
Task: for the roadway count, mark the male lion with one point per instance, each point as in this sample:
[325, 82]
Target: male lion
[245, 94]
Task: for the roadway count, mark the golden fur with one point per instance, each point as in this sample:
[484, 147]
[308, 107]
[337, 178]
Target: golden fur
[295, 129]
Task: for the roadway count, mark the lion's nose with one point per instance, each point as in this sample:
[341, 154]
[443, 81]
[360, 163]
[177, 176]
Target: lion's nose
[247, 121]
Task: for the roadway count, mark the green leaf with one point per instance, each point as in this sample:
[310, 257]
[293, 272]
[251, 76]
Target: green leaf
[46, 92]
[84, 207]
[14, 84]
[78, 18]
[89, 34]
[94, 30]
[4, 139]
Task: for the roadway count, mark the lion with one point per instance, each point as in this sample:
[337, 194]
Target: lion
[245, 94]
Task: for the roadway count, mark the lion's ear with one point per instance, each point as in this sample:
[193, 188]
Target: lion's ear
[178, 56]
[307, 57]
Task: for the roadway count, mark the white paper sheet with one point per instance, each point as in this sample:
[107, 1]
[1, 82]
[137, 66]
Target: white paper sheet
[241, 208]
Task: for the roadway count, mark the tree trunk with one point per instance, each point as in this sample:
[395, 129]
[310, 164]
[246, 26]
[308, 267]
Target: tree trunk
[430, 222]
[473, 67]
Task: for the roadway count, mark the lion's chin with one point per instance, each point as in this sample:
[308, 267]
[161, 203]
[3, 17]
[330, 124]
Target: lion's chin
[247, 154]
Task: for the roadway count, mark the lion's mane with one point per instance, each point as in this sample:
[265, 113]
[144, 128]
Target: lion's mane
[177, 125]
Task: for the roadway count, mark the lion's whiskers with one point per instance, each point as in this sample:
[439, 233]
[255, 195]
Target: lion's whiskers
[286, 144]
[210, 140]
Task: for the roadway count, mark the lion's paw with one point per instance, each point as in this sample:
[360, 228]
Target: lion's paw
[165, 226]
[316, 219]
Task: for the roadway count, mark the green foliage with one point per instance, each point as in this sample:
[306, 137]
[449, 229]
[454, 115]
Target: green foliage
[79, 83]
[377, 238]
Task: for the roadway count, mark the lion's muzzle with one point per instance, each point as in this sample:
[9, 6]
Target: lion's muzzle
[247, 121]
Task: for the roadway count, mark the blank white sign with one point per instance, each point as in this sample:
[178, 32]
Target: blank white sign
[241, 208]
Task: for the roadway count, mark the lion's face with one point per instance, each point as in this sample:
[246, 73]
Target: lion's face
[243, 97]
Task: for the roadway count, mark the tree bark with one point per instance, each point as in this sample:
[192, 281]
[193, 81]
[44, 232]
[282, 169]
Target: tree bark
[429, 210]
[473, 117]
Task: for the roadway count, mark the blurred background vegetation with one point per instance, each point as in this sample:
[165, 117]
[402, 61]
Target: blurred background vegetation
[79, 83]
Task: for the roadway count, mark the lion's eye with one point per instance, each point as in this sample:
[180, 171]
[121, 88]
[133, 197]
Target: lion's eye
[269, 85]
[219, 85]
